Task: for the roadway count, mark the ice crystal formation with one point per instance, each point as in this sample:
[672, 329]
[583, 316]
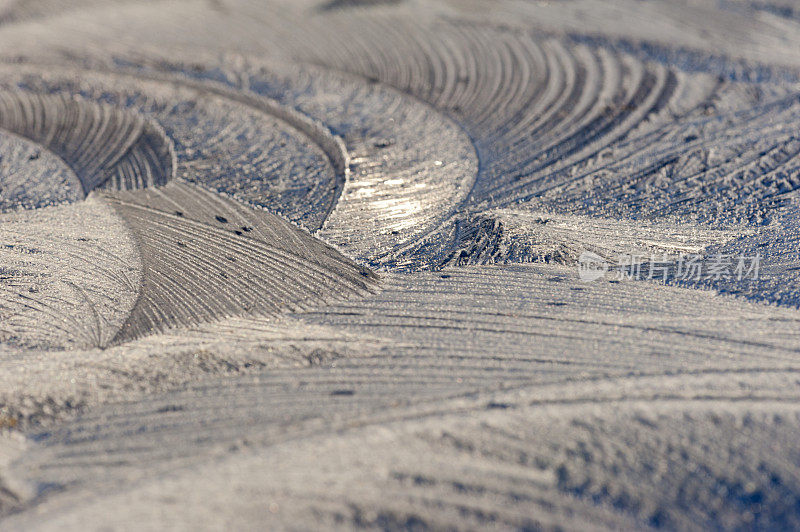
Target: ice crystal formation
[303, 264]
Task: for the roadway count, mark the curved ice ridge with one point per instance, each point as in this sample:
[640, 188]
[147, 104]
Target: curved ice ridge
[408, 167]
[105, 146]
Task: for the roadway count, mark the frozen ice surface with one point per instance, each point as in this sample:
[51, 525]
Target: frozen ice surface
[315, 264]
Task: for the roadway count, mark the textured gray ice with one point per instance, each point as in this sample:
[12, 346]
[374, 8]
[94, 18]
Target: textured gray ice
[303, 264]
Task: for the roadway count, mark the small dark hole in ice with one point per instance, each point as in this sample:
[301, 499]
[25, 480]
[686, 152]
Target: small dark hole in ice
[169, 408]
